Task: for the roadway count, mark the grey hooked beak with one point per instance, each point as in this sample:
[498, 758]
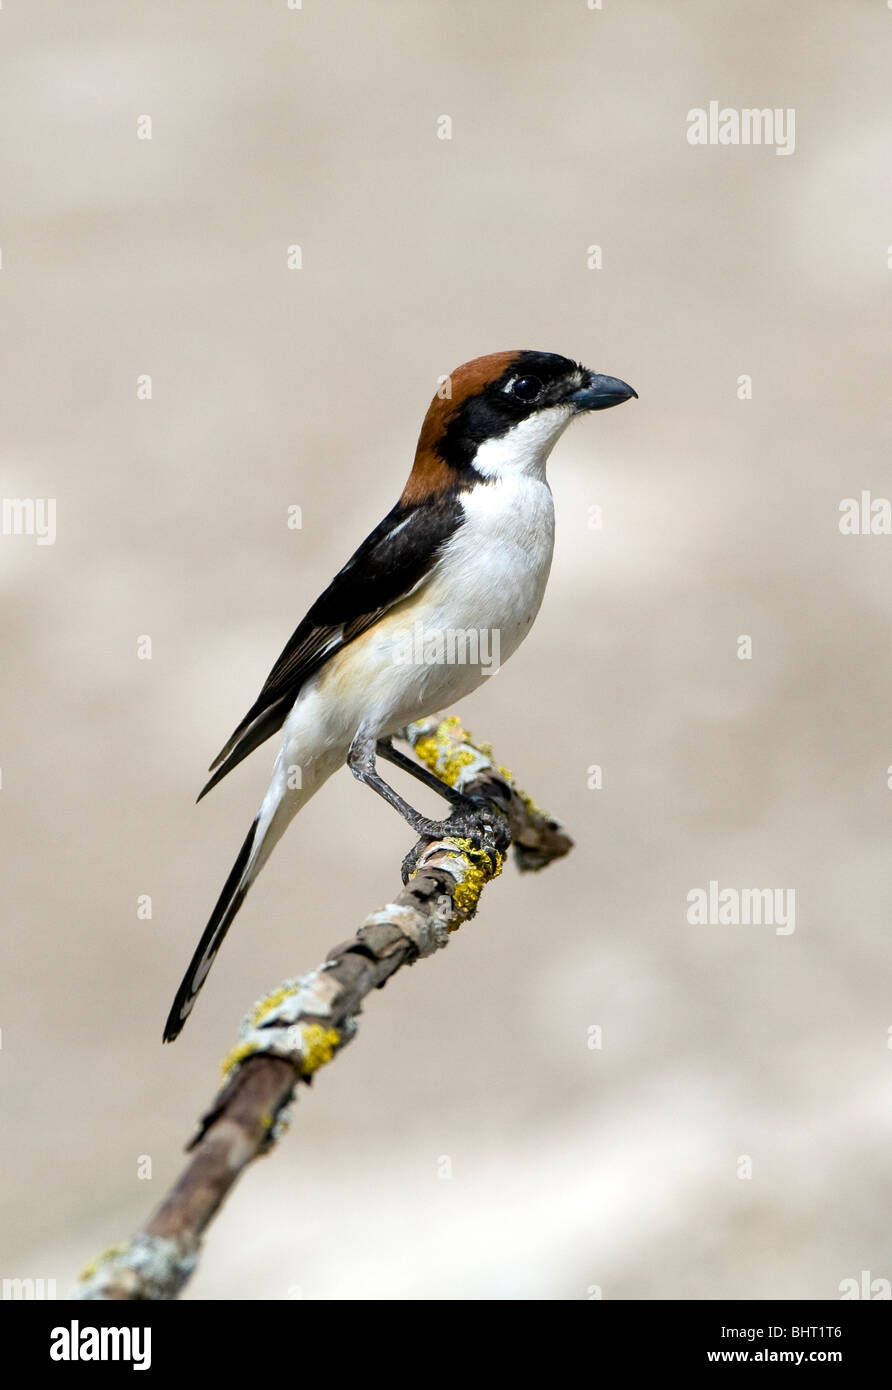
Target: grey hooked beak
[600, 392]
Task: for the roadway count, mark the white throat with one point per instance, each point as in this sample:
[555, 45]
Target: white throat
[524, 450]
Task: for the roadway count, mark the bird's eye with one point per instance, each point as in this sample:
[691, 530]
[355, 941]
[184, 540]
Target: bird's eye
[526, 388]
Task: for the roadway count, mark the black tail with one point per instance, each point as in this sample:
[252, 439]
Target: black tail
[256, 727]
[228, 904]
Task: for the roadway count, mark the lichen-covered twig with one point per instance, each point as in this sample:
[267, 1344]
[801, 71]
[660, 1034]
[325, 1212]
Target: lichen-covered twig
[304, 1023]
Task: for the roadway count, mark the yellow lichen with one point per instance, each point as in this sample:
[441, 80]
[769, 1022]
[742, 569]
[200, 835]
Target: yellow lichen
[479, 868]
[452, 725]
[442, 752]
[236, 1056]
[108, 1254]
[428, 751]
[451, 769]
[318, 1047]
[271, 1001]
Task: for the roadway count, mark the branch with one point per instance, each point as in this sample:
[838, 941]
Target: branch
[305, 1022]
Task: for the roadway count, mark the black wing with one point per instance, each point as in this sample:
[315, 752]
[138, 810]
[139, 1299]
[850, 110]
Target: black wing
[388, 565]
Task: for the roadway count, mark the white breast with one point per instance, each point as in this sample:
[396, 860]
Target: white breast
[493, 572]
[490, 578]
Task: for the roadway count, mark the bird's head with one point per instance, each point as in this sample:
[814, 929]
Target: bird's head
[502, 414]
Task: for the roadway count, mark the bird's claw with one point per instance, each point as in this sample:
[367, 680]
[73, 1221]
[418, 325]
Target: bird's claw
[478, 820]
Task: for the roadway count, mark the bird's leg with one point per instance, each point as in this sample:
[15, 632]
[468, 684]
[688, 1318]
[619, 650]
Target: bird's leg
[386, 750]
[361, 762]
[471, 819]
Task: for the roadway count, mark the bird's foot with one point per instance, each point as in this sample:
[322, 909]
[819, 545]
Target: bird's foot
[476, 819]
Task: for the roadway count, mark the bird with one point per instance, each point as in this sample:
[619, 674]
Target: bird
[467, 548]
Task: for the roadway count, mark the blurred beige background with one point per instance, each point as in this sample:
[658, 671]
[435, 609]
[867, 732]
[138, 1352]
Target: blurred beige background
[572, 1167]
